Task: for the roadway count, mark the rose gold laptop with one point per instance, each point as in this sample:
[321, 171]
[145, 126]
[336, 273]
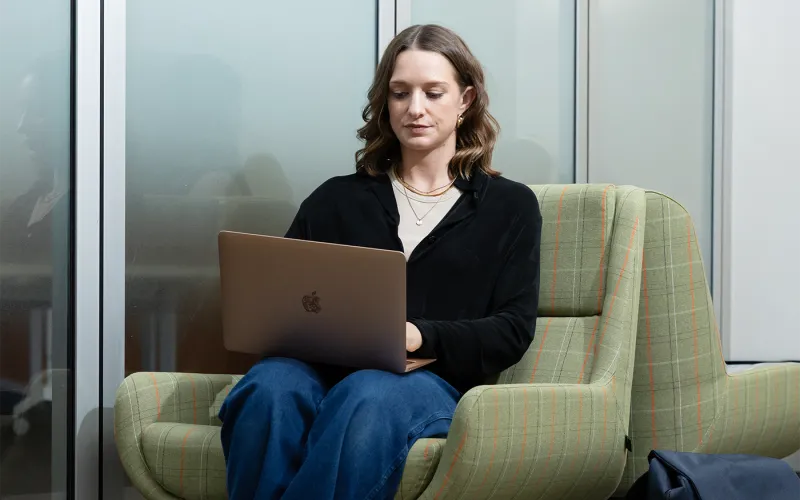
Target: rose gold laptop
[318, 302]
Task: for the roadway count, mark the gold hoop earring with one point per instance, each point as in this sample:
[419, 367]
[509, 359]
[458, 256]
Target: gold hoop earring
[459, 121]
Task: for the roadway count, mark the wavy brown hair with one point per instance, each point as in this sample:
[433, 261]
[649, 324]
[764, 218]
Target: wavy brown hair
[477, 134]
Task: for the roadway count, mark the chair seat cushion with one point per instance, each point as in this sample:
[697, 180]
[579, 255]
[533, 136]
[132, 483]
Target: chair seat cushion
[187, 461]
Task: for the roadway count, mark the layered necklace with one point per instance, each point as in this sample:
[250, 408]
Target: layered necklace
[438, 193]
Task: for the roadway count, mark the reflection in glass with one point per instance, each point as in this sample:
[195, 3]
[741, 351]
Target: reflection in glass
[528, 49]
[35, 234]
[231, 122]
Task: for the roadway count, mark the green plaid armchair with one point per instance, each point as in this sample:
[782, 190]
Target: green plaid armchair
[683, 397]
[553, 426]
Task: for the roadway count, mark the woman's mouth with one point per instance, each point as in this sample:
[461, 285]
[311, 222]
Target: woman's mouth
[417, 128]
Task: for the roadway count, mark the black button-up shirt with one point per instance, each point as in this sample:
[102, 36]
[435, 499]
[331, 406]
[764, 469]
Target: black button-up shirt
[472, 284]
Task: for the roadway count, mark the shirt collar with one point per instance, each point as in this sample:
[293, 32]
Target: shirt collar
[476, 183]
[475, 187]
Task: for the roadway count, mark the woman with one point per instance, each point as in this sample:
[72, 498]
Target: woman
[423, 185]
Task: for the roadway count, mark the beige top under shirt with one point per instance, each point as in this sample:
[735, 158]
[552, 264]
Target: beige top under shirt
[427, 210]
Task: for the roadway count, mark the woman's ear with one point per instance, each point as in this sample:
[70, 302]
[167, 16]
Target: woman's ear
[467, 98]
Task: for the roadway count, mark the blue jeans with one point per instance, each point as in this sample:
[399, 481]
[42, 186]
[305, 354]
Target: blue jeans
[297, 432]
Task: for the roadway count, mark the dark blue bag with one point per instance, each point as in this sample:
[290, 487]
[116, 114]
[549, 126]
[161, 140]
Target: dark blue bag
[693, 476]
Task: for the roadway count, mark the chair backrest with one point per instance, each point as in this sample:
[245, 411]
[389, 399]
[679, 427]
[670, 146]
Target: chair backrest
[590, 258]
[679, 365]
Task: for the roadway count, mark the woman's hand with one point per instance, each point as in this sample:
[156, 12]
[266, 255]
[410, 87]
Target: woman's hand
[413, 338]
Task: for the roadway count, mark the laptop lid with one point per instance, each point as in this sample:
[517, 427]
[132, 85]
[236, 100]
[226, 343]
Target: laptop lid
[318, 302]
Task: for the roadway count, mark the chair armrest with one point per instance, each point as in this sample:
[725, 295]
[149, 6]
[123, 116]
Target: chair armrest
[533, 441]
[760, 414]
[145, 398]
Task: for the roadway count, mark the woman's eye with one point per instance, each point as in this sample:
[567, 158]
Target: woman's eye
[399, 95]
[434, 95]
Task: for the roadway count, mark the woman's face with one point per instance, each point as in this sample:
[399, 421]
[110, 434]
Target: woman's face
[425, 100]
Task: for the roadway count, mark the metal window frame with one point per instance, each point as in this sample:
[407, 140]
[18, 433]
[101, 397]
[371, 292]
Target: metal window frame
[113, 478]
[87, 198]
[581, 121]
[721, 203]
[385, 26]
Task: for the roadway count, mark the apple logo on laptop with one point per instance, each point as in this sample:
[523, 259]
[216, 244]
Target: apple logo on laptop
[311, 303]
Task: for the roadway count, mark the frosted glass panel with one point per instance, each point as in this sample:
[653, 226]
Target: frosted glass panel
[651, 85]
[527, 49]
[35, 248]
[236, 111]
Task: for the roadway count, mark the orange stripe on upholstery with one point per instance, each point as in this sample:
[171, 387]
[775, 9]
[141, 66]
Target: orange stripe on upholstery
[183, 456]
[695, 333]
[541, 348]
[649, 353]
[496, 432]
[452, 465]
[594, 347]
[158, 396]
[425, 453]
[524, 436]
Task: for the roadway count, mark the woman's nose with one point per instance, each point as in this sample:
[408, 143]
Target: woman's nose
[417, 104]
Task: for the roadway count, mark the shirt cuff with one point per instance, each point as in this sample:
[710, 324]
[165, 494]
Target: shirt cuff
[429, 347]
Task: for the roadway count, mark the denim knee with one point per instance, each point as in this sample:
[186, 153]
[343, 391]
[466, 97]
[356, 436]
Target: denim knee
[370, 386]
[276, 381]
[376, 399]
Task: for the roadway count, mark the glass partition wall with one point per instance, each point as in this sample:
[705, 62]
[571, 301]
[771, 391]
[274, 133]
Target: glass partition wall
[36, 242]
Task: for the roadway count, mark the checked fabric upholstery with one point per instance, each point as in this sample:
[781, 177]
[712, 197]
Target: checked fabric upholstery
[553, 426]
[683, 397]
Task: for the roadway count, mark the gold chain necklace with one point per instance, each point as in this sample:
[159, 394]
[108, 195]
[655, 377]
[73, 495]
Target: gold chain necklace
[419, 219]
[416, 191]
